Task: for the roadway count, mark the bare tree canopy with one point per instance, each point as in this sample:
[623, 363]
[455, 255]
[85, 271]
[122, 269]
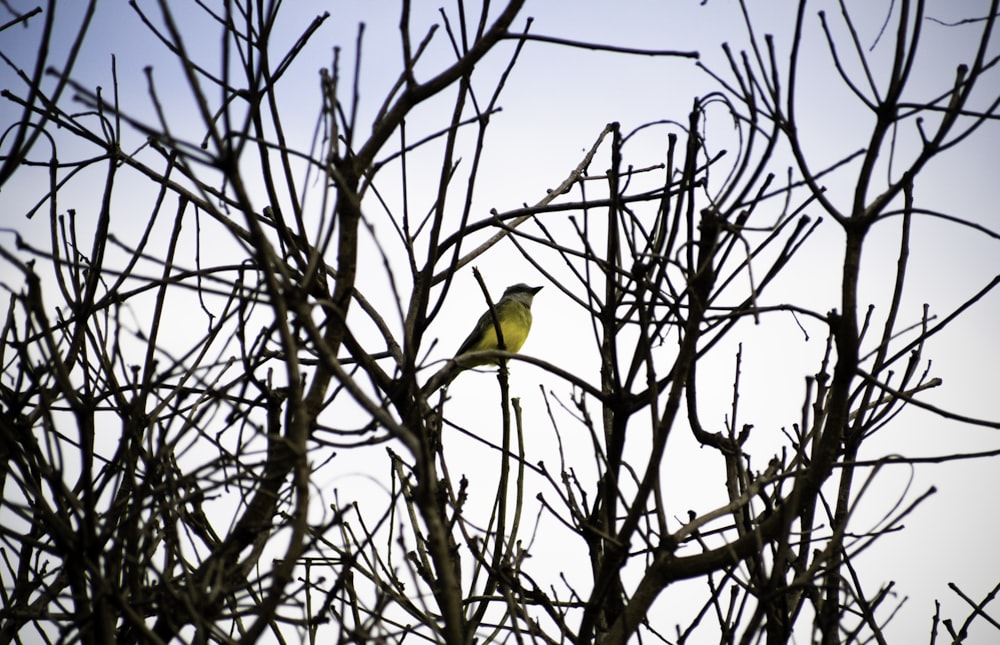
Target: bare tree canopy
[242, 244]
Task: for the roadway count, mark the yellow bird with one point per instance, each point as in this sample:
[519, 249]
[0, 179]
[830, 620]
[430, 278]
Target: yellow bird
[513, 313]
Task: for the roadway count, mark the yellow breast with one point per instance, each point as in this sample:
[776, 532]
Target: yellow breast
[515, 322]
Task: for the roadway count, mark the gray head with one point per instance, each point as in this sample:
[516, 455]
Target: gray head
[521, 292]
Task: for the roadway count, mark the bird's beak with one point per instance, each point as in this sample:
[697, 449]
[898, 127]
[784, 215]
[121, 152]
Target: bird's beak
[535, 290]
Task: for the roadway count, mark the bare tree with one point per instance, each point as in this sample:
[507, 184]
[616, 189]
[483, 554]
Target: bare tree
[176, 398]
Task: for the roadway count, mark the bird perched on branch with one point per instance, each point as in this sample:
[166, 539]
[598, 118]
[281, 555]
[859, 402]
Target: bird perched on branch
[513, 312]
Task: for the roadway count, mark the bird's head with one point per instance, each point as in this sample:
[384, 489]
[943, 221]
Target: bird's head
[521, 292]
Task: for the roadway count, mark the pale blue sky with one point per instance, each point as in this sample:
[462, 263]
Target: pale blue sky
[555, 104]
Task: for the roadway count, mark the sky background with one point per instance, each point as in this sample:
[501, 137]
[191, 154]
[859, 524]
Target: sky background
[555, 104]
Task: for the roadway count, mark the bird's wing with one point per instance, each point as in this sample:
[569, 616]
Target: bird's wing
[477, 331]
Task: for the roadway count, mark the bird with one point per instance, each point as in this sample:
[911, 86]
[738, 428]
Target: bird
[513, 311]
